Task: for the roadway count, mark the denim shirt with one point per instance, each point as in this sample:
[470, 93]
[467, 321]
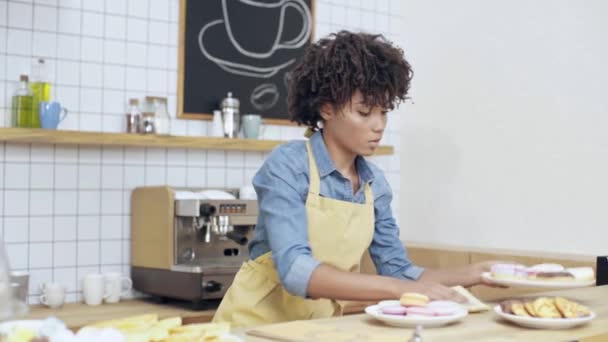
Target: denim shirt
[282, 184]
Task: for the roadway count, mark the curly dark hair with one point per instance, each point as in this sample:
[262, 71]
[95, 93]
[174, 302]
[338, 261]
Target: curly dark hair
[334, 68]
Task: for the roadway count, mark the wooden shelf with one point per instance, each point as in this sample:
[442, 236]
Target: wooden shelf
[43, 136]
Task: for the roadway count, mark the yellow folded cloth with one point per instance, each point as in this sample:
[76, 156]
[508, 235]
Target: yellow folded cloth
[473, 304]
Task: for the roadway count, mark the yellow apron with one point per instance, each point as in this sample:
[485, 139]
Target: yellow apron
[339, 233]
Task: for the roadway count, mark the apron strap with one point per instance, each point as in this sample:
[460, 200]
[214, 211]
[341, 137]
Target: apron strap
[369, 197]
[315, 182]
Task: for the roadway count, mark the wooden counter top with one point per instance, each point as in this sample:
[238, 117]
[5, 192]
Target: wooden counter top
[486, 326]
[77, 315]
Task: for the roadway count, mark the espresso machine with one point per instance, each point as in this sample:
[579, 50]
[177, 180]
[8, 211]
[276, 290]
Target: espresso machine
[186, 246]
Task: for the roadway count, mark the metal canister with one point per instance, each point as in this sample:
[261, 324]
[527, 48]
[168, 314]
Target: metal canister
[230, 116]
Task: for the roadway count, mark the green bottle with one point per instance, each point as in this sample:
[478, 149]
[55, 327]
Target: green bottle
[23, 105]
[41, 88]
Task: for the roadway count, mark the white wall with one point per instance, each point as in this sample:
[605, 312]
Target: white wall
[507, 143]
[64, 211]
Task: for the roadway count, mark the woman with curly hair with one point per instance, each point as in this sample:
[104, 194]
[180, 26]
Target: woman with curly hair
[322, 205]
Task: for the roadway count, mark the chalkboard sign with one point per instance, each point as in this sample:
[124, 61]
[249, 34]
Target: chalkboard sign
[247, 47]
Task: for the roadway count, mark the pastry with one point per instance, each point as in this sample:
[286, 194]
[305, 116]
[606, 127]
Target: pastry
[530, 308]
[533, 271]
[546, 268]
[522, 272]
[545, 308]
[506, 305]
[514, 307]
[507, 271]
[582, 310]
[570, 309]
[555, 276]
[413, 299]
[582, 273]
[393, 310]
[518, 308]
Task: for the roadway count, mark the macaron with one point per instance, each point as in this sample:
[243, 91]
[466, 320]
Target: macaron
[546, 268]
[535, 270]
[394, 310]
[413, 299]
[506, 271]
[420, 311]
[444, 308]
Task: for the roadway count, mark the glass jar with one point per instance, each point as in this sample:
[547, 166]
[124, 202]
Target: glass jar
[158, 106]
[10, 306]
[147, 123]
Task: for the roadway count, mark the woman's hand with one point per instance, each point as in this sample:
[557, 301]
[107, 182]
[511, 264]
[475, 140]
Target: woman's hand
[329, 282]
[477, 269]
[465, 276]
[434, 291]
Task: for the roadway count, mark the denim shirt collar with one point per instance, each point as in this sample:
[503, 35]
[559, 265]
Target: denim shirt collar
[326, 165]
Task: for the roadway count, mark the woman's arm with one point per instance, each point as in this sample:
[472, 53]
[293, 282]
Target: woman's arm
[389, 254]
[464, 276]
[329, 282]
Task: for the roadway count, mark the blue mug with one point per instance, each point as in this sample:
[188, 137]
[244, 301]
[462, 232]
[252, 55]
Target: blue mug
[51, 114]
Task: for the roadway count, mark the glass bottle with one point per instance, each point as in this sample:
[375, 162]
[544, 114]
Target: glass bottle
[22, 109]
[133, 116]
[147, 123]
[41, 88]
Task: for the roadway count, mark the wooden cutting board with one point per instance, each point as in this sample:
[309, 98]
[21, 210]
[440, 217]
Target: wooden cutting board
[77, 315]
[306, 331]
[596, 338]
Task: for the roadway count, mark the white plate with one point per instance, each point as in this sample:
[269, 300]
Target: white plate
[538, 284]
[544, 323]
[411, 321]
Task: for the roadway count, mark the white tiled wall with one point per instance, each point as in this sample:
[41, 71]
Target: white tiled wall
[64, 211]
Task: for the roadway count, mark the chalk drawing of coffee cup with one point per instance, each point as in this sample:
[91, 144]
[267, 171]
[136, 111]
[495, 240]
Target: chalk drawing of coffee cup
[271, 19]
[219, 39]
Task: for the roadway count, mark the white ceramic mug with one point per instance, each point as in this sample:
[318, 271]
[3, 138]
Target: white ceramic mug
[52, 294]
[251, 124]
[116, 286]
[93, 289]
